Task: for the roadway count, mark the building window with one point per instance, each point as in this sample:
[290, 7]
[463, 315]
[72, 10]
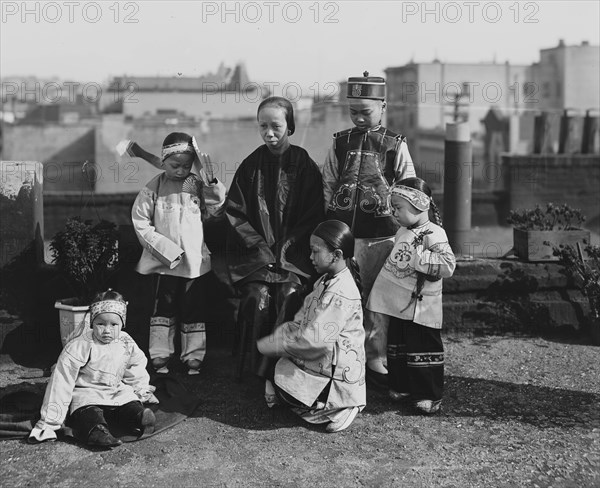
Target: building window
[546, 90]
[466, 89]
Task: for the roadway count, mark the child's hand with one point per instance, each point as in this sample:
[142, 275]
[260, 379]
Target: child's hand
[418, 240]
[41, 435]
[214, 194]
[176, 261]
[147, 395]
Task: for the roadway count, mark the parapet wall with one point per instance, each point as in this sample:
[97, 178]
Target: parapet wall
[488, 296]
[558, 178]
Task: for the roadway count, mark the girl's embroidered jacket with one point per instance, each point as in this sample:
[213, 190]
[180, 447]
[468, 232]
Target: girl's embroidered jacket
[167, 218]
[423, 251]
[324, 343]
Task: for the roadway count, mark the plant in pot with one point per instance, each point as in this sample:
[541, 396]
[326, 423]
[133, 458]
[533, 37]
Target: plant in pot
[586, 275]
[536, 231]
[85, 254]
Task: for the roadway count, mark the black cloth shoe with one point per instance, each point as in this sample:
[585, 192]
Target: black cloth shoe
[146, 421]
[376, 380]
[100, 436]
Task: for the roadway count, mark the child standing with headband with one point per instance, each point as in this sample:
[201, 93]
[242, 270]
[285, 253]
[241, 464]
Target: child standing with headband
[168, 219]
[408, 293]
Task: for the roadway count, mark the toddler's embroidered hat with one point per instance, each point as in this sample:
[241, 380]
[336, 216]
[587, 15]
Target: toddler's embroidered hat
[371, 87]
[109, 306]
[416, 198]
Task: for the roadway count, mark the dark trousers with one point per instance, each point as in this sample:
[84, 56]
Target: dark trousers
[179, 297]
[84, 419]
[179, 304]
[262, 307]
[415, 355]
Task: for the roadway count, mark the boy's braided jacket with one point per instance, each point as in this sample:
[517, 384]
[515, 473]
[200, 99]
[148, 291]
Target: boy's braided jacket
[359, 169]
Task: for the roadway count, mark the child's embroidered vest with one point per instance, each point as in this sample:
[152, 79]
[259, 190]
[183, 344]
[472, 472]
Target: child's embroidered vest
[366, 169]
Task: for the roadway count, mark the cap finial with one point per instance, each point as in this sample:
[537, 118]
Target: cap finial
[366, 74]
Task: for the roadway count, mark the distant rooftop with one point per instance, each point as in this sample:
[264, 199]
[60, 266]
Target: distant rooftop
[225, 79]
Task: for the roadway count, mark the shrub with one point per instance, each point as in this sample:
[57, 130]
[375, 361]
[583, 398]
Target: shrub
[554, 217]
[86, 255]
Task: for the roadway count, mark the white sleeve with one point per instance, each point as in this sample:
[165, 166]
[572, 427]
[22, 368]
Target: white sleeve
[59, 392]
[403, 165]
[436, 260]
[331, 175]
[142, 216]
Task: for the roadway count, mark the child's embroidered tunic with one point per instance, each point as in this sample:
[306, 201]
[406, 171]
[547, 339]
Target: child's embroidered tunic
[89, 372]
[395, 291]
[324, 343]
[167, 219]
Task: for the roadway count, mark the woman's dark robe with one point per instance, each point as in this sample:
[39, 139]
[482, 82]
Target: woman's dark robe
[274, 204]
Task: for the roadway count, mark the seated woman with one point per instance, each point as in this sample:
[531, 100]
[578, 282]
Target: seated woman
[321, 370]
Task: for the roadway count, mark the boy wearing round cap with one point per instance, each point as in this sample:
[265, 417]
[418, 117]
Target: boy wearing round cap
[360, 167]
[99, 377]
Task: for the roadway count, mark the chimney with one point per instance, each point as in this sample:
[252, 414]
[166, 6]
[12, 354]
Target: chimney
[585, 43]
[561, 43]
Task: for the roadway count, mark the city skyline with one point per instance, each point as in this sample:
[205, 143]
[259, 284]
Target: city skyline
[308, 44]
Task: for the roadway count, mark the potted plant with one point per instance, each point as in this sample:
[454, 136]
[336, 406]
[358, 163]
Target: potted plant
[85, 255]
[536, 231]
[586, 274]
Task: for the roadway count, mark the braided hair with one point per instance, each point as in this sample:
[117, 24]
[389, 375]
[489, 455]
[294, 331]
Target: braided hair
[337, 235]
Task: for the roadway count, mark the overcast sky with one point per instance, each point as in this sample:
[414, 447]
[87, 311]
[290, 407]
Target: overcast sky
[280, 42]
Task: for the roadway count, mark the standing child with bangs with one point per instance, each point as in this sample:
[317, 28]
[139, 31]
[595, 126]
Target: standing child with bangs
[168, 216]
[407, 294]
[274, 203]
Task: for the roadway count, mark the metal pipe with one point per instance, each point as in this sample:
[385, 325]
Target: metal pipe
[458, 182]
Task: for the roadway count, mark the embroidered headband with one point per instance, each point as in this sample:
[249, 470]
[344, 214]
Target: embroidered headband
[177, 148]
[108, 306]
[416, 198]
